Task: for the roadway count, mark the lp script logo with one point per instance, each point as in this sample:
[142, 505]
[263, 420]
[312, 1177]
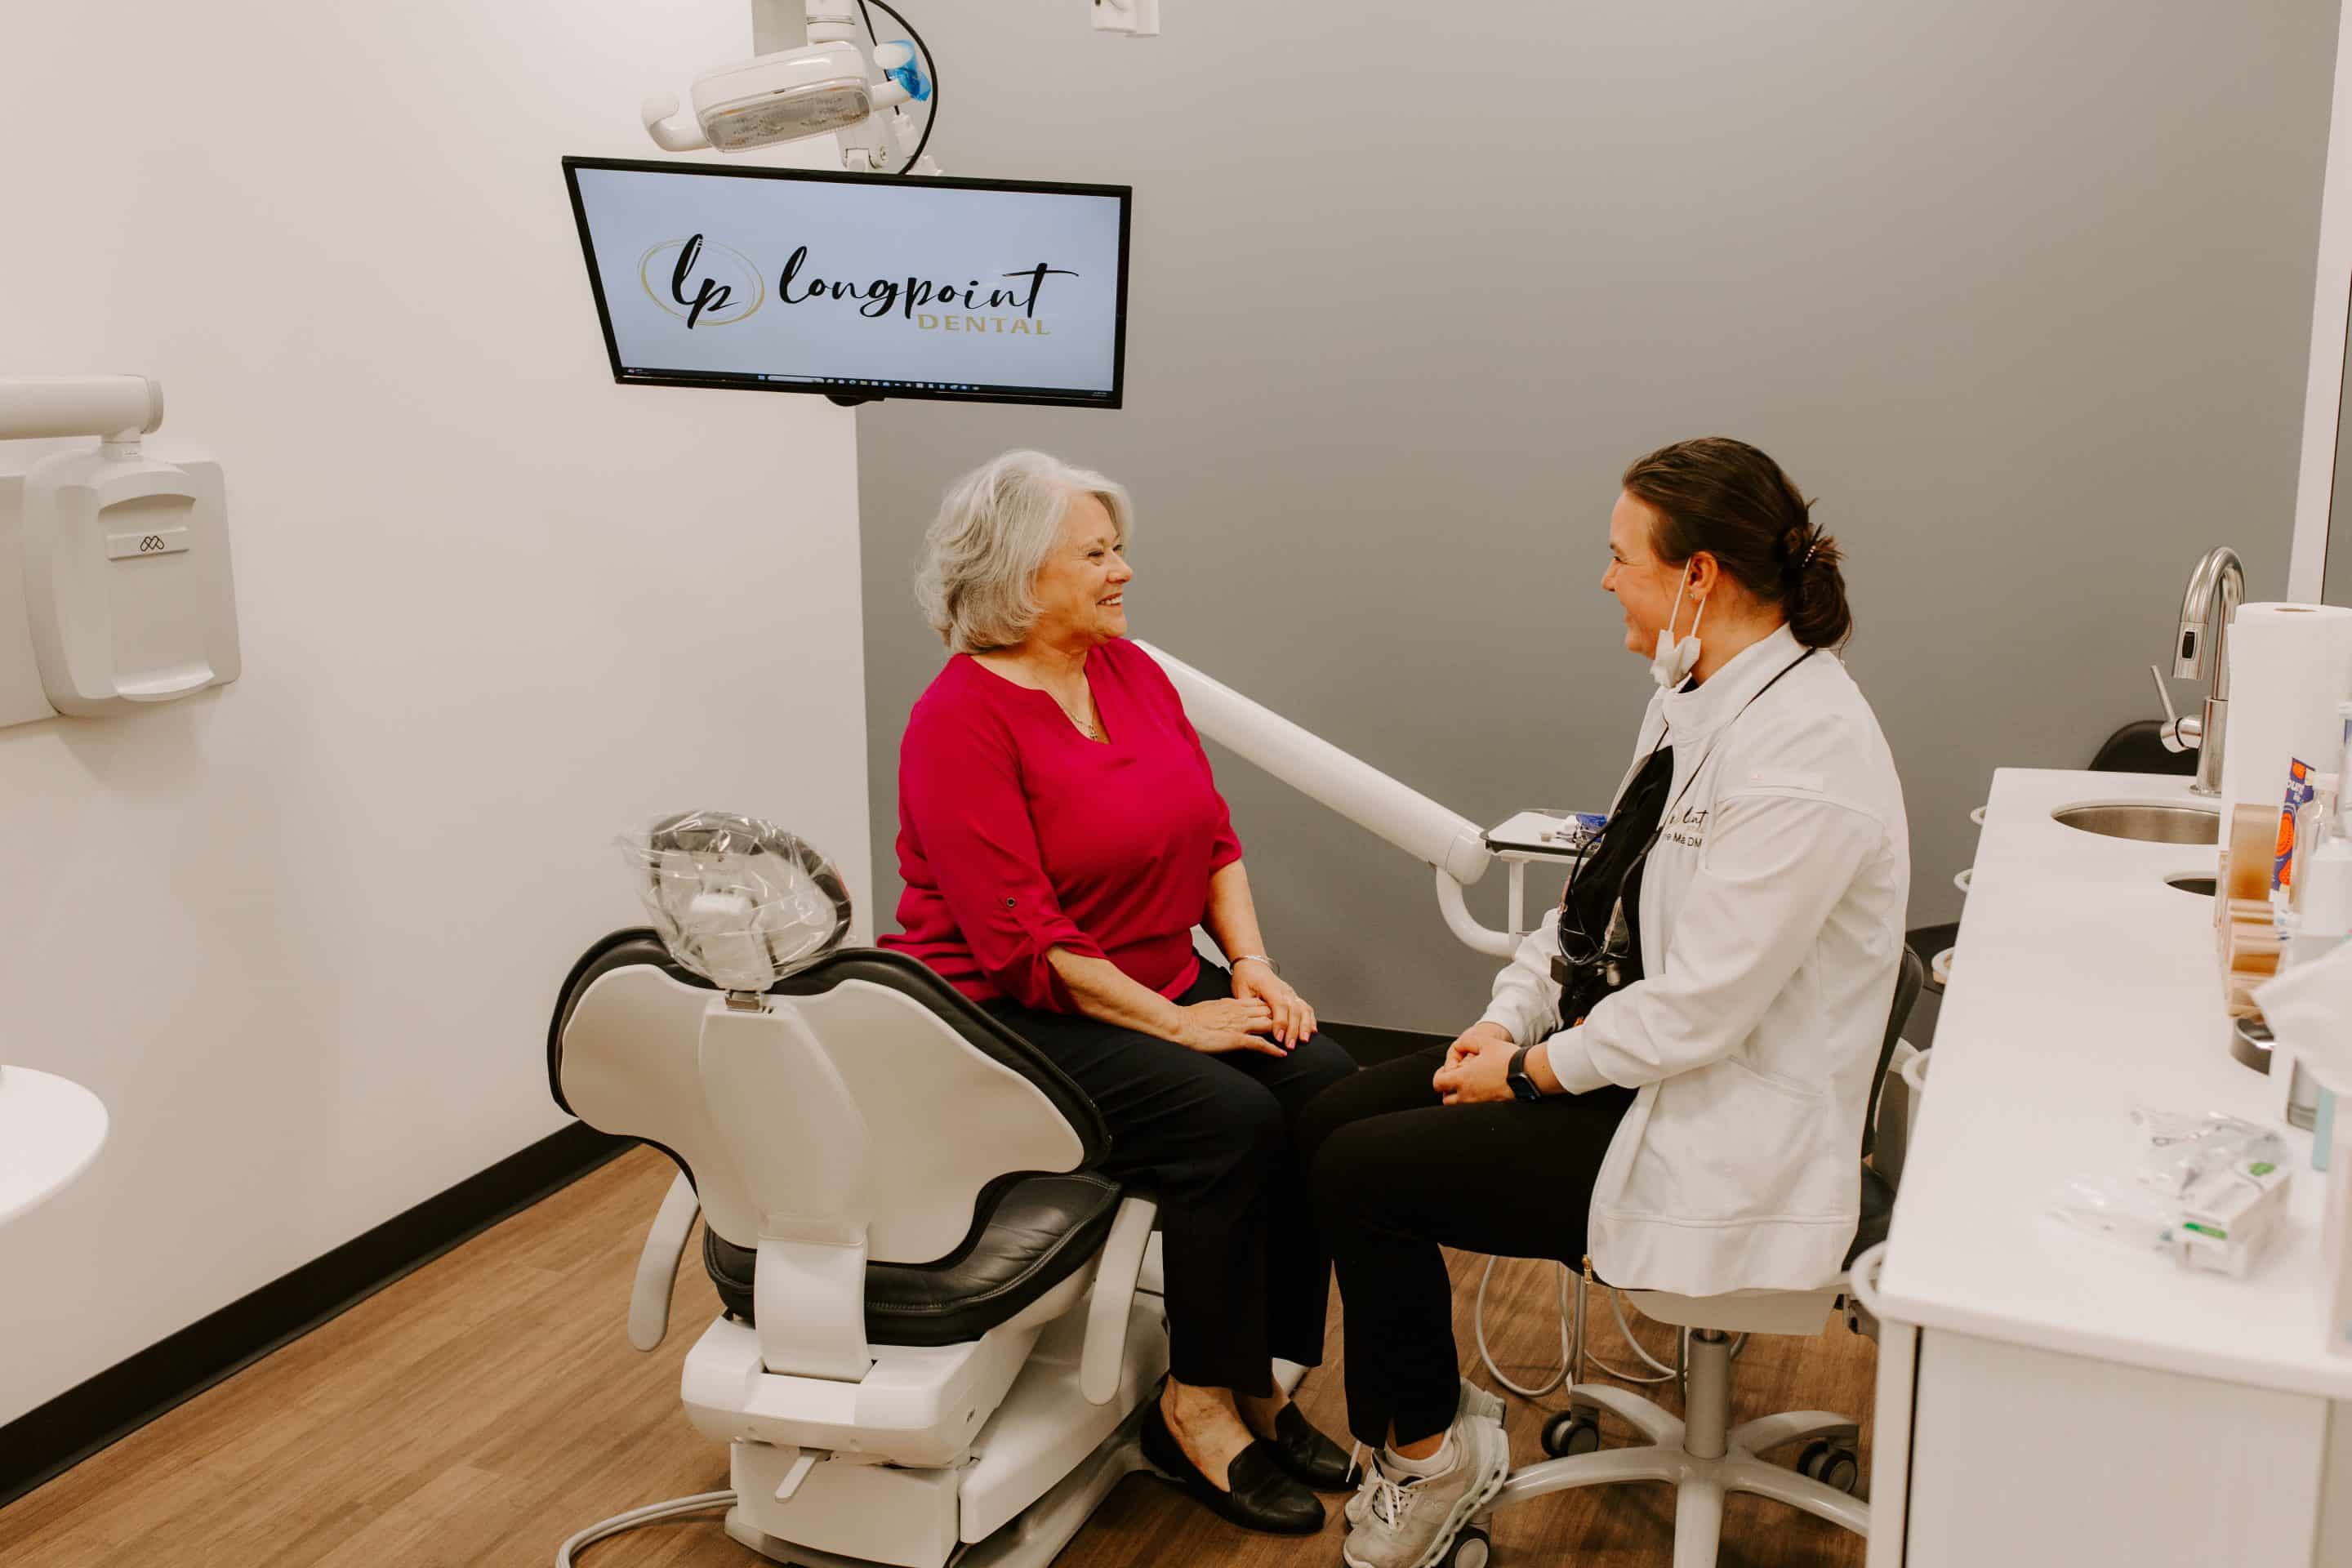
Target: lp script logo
[703, 299]
[717, 285]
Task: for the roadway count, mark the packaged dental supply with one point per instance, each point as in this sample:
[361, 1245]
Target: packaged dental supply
[2210, 1191]
[1578, 828]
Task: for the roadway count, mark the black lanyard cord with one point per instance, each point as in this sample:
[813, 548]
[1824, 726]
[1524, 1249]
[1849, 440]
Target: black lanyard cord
[1641, 856]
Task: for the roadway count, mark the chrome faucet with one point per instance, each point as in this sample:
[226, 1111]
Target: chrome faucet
[2215, 590]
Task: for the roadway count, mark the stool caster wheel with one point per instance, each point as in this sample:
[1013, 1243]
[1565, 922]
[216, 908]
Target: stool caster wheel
[1833, 1464]
[1570, 1432]
[1471, 1549]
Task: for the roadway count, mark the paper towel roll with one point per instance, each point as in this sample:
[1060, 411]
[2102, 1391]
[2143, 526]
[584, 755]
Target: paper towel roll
[2289, 665]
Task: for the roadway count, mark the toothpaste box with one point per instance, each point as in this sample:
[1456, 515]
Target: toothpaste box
[2300, 788]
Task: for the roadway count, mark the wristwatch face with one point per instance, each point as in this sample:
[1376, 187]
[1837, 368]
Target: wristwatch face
[1521, 1084]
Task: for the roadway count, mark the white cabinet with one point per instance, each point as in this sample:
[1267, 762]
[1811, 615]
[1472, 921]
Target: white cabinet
[2031, 1458]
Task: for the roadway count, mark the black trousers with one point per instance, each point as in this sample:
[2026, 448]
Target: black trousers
[1211, 1137]
[1396, 1174]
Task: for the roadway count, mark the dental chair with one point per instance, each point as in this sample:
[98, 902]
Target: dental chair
[938, 1332]
[1701, 1454]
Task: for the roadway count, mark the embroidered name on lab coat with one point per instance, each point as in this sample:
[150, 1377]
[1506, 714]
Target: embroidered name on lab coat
[1688, 828]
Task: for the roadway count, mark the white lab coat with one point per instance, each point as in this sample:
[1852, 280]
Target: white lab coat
[1772, 932]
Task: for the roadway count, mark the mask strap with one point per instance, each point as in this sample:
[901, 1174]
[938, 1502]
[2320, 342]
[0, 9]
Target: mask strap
[1675, 614]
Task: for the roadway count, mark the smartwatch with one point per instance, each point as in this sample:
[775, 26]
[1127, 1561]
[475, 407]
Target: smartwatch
[1522, 1086]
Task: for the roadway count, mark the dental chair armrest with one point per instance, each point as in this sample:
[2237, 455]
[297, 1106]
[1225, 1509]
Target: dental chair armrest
[658, 1264]
[1115, 1276]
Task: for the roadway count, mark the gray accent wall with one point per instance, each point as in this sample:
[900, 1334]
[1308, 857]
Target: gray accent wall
[2020, 291]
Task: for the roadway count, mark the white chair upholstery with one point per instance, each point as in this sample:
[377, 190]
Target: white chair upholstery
[934, 1342]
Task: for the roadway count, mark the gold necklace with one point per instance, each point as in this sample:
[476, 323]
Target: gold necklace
[1085, 727]
[1090, 728]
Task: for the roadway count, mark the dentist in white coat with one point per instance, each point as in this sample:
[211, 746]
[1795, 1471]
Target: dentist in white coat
[1673, 1072]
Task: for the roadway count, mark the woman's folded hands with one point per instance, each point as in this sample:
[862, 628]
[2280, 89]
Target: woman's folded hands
[1477, 1067]
[1239, 1025]
[1294, 1020]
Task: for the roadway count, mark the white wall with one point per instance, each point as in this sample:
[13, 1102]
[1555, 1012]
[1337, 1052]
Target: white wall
[302, 933]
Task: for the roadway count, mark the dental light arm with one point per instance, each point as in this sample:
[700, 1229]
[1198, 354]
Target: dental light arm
[1366, 796]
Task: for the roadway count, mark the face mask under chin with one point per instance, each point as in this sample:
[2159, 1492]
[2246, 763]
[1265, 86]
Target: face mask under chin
[1673, 661]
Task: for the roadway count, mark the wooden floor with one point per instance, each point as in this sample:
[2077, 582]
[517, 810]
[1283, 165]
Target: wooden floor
[488, 1405]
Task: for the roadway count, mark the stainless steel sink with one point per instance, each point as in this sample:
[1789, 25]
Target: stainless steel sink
[2189, 882]
[2148, 824]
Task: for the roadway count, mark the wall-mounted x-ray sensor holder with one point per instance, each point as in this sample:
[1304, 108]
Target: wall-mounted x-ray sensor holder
[122, 550]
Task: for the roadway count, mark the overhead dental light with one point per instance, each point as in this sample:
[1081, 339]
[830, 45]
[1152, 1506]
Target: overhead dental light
[809, 75]
[769, 99]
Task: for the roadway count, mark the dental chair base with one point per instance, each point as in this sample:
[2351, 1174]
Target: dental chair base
[1031, 1540]
[1701, 1454]
[895, 1469]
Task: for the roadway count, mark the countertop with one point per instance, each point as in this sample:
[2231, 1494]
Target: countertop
[2083, 986]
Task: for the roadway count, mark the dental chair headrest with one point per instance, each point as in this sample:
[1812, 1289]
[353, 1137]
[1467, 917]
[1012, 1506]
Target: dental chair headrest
[736, 900]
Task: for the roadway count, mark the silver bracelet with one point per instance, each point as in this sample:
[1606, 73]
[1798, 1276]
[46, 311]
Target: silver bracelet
[1258, 957]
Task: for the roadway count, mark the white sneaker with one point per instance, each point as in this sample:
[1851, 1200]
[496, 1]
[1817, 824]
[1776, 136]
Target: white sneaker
[1476, 1405]
[1412, 1523]
[1478, 1402]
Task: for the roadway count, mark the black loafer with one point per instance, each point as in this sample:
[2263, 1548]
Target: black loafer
[1307, 1455]
[1263, 1498]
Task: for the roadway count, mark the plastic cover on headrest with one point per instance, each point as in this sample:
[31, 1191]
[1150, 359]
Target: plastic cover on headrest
[738, 901]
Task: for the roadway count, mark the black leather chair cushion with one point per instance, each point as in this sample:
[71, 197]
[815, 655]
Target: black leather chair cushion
[2139, 748]
[1877, 1215]
[1041, 1230]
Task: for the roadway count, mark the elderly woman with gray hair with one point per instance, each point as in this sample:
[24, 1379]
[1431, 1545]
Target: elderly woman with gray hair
[1060, 835]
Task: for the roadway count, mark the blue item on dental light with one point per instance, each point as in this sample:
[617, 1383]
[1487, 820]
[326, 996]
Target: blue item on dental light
[910, 75]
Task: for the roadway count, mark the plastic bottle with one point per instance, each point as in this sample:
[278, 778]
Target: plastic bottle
[2323, 925]
[2328, 898]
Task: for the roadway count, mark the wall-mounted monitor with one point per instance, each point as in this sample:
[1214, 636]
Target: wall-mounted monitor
[858, 286]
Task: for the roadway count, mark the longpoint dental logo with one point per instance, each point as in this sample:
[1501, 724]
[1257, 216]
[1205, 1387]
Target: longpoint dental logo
[721, 304]
[714, 285]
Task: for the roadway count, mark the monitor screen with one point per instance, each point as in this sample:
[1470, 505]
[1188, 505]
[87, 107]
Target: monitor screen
[857, 285]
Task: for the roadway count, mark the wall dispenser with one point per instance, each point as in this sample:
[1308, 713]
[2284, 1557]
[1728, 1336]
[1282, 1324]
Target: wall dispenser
[126, 593]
